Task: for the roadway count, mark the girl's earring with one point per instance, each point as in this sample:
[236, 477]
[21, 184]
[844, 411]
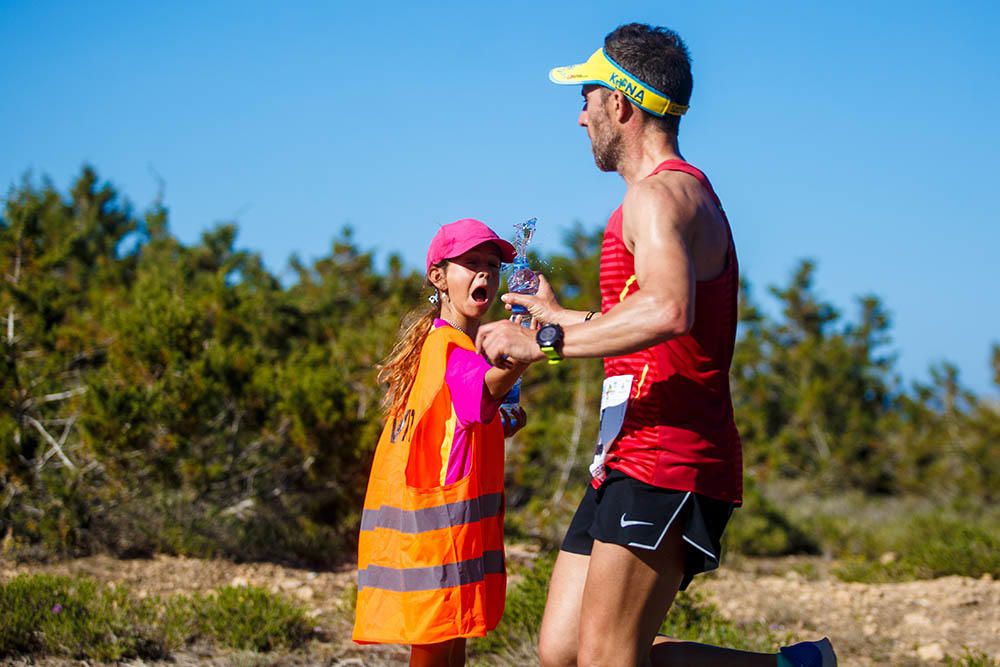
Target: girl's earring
[435, 298]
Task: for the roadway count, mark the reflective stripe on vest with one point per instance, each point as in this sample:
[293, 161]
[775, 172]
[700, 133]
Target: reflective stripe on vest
[429, 578]
[433, 518]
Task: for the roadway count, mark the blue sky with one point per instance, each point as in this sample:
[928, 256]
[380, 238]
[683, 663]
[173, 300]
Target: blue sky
[861, 135]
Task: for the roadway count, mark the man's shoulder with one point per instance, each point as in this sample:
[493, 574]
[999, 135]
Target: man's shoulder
[679, 204]
[668, 195]
[669, 186]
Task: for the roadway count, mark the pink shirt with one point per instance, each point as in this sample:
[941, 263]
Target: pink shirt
[465, 376]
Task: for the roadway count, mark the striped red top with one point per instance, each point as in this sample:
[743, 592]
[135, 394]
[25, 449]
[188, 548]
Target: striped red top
[679, 432]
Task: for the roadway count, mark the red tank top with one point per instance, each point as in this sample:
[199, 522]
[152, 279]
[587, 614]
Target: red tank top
[679, 432]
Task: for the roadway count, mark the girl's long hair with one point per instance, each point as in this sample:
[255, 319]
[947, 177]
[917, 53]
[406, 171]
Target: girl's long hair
[399, 369]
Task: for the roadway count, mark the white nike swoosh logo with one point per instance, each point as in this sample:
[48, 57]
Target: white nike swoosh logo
[626, 524]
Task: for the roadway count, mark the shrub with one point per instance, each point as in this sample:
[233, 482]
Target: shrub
[250, 618]
[971, 658]
[927, 546]
[759, 528]
[80, 618]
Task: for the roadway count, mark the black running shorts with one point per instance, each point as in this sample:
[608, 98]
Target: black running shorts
[637, 515]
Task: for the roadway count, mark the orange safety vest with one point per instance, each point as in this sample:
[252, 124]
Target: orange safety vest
[431, 557]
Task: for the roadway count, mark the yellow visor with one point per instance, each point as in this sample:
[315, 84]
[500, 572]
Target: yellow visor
[601, 70]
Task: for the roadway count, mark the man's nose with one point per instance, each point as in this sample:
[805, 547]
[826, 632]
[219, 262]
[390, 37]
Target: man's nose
[582, 120]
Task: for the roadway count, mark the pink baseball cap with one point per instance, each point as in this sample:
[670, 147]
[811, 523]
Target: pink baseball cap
[463, 235]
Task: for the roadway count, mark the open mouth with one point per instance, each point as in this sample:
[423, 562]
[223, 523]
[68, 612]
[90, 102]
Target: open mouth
[480, 295]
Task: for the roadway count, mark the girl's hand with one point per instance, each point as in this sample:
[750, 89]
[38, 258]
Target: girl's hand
[513, 421]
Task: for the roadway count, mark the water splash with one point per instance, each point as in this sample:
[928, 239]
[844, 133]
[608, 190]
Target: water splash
[523, 233]
[521, 278]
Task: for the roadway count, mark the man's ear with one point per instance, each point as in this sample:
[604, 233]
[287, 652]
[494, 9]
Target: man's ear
[437, 277]
[621, 107]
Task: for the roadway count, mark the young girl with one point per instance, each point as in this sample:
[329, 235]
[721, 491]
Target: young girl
[430, 556]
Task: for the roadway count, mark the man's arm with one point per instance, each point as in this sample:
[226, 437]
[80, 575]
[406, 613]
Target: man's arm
[658, 223]
[544, 308]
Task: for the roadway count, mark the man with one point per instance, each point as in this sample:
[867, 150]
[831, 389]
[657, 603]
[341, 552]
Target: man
[668, 470]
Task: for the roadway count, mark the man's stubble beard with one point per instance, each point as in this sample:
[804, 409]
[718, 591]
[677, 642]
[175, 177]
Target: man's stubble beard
[606, 146]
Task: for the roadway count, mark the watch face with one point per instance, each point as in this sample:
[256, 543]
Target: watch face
[547, 335]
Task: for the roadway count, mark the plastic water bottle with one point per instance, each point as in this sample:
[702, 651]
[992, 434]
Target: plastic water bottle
[522, 280]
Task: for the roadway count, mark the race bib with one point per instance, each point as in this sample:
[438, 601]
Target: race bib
[614, 403]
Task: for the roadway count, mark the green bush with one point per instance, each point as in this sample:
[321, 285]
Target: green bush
[942, 546]
[925, 547]
[80, 618]
[759, 528]
[971, 659]
[250, 618]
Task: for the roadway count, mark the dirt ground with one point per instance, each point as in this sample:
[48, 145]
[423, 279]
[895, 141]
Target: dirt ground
[914, 623]
[911, 623]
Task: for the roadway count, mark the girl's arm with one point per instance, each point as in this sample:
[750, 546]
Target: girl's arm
[498, 381]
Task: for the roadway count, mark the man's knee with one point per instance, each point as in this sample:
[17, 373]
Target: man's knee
[608, 648]
[556, 652]
[605, 659]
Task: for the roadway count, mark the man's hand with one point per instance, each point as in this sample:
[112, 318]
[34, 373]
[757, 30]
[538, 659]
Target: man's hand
[543, 305]
[505, 342]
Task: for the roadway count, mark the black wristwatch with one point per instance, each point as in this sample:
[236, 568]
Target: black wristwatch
[550, 340]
